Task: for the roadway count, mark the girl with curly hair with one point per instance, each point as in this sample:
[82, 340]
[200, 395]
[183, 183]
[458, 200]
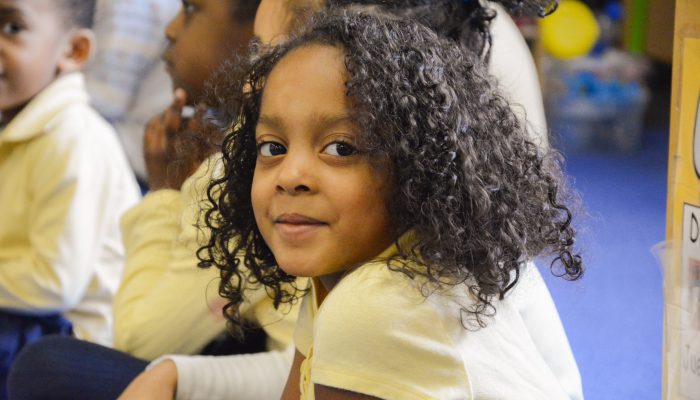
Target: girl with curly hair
[381, 160]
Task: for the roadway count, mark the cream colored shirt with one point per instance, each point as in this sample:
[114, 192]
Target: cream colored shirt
[166, 304]
[64, 184]
[512, 65]
[375, 333]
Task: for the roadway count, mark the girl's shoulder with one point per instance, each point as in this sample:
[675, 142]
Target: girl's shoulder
[378, 320]
[378, 281]
[377, 293]
[376, 333]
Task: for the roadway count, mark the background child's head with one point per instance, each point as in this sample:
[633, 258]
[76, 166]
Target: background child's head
[39, 41]
[457, 167]
[466, 22]
[277, 18]
[202, 35]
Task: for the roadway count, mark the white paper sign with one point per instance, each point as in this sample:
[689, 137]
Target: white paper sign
[690, 304]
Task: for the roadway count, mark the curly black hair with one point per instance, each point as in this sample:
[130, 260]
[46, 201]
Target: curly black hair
[480, 197]
[467, 22]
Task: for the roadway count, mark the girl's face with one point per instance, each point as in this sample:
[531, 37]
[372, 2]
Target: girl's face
[319, 202]
[200, 38]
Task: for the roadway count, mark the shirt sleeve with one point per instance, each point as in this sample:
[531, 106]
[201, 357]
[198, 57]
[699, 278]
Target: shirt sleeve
[512, 65]
[70, 190]
[243, 377]
[166, 304]
[374, 337]
[540, 316]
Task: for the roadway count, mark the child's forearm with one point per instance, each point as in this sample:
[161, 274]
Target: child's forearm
[243, 377]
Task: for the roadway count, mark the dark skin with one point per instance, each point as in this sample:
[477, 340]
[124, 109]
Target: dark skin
[168, 146]
[200, 38]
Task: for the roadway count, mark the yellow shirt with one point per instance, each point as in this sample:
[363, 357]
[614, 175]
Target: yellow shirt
[166, 304]
[375, 333]
[64, 184]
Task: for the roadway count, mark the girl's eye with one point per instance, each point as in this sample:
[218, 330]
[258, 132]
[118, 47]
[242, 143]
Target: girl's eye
[271, 149]
[188, 7]
[340, 149]
[10, 28]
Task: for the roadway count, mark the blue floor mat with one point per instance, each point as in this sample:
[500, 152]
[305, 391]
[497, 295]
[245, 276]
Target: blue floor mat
[614, 315]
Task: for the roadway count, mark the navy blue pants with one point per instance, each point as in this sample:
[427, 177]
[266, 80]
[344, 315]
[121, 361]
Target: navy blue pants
[18, 331]
[67, 368]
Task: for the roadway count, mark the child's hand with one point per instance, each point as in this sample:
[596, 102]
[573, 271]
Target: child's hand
[175, 146]
[159, 382]
[159, 143]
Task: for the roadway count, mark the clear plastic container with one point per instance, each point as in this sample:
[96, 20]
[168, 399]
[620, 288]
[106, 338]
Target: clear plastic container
[596, 104]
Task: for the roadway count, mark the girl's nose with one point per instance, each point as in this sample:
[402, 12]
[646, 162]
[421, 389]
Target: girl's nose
[295, 175]
[172, 30]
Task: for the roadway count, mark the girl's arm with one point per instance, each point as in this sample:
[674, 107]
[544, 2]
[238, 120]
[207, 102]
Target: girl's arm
[243, 377]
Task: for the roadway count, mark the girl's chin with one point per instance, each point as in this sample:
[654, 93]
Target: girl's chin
[297, 269]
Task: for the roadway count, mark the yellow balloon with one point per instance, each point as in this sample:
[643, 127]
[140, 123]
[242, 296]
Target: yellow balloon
[571, 31]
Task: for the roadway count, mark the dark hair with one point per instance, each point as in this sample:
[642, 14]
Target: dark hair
[478, 194]
[464, 21]
[244, 10]
[77, 13]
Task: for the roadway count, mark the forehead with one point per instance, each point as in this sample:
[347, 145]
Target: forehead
[35, 13]
[31, 8]
[311, 76]
[229, 5]
[216, 15]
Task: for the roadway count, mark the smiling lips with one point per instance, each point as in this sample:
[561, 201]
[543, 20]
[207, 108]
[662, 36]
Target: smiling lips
[296, 226]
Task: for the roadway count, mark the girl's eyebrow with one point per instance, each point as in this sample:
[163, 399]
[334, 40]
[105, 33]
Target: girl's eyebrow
[9, 11]
[326, 120]
[273, 121]
[320, 119]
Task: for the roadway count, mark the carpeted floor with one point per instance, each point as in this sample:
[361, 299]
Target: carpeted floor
[614, 315]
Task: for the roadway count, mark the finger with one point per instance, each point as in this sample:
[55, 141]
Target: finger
[173, 114]
[154, 138]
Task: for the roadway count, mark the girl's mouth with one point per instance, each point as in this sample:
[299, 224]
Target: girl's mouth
[297, 219]
[294, 227]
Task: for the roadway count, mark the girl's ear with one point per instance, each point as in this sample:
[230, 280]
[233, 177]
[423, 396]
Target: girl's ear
[78, 51]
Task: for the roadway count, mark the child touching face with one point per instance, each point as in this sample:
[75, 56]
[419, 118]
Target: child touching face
[405, 133]
[202, 35]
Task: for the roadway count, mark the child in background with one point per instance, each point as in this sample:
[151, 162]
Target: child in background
[163, 305]
[393, 172]
[160, 233]
[64, 182]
